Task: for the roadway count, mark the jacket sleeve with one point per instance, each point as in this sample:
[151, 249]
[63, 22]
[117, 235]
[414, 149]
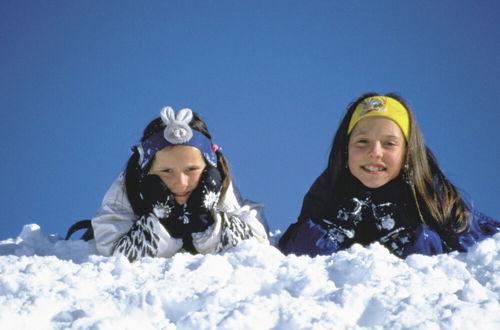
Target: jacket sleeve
[235, 220]
[480, 227]
[305, 236]
[118, 230]
[429, 242]
[308, 238]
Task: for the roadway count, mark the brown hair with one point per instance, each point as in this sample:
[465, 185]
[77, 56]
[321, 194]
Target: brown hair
[432, 191]
[133, 171]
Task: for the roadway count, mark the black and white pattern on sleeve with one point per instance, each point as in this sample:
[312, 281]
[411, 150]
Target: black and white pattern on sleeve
[140, 241]
[233, 232]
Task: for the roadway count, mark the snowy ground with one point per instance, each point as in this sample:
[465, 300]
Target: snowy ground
[48, 283]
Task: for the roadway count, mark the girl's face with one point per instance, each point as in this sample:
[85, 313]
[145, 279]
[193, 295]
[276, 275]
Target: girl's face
[376, 151]
[180, 168]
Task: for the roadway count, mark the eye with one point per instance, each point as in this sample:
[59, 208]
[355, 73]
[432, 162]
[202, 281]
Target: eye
[391, 143]
[166, 171]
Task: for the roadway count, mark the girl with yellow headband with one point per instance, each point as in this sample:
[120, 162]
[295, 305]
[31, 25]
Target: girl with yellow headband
[382, 184]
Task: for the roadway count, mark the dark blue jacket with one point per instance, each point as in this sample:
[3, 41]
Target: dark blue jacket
[387, 215]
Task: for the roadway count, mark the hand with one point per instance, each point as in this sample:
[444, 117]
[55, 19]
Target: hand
[156, 196]
[206, 194]
[182, 220]
[161, 202]
[196, 212]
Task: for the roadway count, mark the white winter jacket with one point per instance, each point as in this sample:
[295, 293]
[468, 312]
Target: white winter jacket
[118, 230]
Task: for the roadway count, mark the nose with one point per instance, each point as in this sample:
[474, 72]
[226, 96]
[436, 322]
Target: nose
[375, 150]
[181, 180]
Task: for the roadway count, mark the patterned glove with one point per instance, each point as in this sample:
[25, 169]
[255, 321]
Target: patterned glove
[158, 199]
[193, 216]
[206, 194]
[203, 198]
[161, 202]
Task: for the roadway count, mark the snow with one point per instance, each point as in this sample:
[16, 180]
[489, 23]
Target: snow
[49, 283]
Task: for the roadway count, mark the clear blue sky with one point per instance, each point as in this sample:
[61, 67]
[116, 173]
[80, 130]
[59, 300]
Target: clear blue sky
[79, 80]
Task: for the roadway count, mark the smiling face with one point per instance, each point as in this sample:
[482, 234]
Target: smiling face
[180, 168]
[376, 151]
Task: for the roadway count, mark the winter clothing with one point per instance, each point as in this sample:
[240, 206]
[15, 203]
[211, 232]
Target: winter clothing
[176, 132]
[192, 217]
[382, 106]
[387, 214]
[211, 226]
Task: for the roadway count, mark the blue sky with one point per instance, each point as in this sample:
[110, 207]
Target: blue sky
[79, 80]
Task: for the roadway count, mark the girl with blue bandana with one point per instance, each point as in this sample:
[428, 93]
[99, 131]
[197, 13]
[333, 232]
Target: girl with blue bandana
[175, 195]
[382, 184]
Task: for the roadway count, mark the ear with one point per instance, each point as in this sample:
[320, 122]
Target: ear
[185, 115]
[167, 115]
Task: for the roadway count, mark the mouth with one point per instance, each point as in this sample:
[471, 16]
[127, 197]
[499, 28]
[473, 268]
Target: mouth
[374, 168]
[182, 195]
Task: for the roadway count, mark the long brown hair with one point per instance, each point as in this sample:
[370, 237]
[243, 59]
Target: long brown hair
[133, 171]
[434, 194]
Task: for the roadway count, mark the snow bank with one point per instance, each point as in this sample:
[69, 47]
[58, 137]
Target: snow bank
[48, 283]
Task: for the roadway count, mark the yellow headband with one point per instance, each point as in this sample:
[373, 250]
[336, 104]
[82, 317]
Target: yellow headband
[381, 106]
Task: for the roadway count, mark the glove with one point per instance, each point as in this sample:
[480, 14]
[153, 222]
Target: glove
[161, 202]
[202, 199]
[206, 195]
[183, 220]
[156, 196]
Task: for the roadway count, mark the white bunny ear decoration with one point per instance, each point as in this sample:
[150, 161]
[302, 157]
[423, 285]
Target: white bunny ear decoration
[177, 128]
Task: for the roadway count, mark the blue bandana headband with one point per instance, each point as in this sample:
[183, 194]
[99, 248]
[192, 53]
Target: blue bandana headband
[177, 132]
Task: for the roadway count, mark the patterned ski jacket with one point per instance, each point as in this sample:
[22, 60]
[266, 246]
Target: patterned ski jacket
[118, 230]
[387, 215]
